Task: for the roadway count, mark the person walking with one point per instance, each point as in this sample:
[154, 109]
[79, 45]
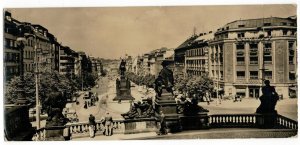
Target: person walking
[163, 126]
[92, 126]
[108, 124]
[207, 97]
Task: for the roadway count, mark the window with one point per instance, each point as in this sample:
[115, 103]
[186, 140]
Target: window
[253, 60]
[291, 52]
[267, 24]
[253, 46]
[283, 23]
[241, 26]
[292, 76]
[221, 73]
[240, 74]
[253, 74]
[268, 75]
[269, 33]
[284, 32]
[240, 46]
[11, 43]
[241, 35]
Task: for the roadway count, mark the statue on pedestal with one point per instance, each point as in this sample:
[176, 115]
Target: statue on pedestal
[268, 99]
[122, 67]
[55, 104]
[140, 110]
[165, 80]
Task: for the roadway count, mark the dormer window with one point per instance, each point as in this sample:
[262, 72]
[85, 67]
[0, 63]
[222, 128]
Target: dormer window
[241, 26]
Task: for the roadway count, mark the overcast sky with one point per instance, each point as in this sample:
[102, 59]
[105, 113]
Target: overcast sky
[113, 32]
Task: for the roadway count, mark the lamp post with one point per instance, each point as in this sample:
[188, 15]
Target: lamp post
[36, 74]
[21, 92]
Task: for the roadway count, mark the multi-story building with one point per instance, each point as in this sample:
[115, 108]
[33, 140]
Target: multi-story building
[196, 58]
[54, 50]
[77, 64]
[11, 50]
[246, 52]
[180, 55]
[66, 60]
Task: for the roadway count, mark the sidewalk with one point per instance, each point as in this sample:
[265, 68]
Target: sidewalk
[222, 133]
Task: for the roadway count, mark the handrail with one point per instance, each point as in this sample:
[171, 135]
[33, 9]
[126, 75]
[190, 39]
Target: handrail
[286, 122]
[214, 121]
[233, 120]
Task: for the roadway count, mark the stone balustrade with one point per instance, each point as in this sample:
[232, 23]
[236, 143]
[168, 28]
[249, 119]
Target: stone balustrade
[286, 122]
[81, 129]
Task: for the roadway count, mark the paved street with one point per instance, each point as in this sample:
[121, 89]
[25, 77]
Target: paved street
[285, 107]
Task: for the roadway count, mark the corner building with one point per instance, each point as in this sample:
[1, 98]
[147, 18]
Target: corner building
[244, 53]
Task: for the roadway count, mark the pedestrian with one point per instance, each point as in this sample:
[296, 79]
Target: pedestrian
[207, 97]
[92, 126]
[108, 124]
[163, 126]
[85, 105]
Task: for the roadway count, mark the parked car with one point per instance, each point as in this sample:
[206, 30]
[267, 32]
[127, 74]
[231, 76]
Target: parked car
[72, 116]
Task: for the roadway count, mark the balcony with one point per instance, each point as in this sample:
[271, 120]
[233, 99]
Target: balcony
[253, 62]
[240, 62]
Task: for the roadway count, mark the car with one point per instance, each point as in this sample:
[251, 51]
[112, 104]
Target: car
[72, 116]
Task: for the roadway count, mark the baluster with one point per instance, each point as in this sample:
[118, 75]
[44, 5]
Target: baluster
[235, 119]
[44, 134]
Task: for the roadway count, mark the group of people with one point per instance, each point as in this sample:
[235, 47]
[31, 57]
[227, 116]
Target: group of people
[91, 102]
[106, 121]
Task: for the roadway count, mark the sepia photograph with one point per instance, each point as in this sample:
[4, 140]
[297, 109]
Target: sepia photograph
[150, 72]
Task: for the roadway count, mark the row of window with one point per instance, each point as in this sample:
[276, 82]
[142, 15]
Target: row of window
[12, 57]
[28, 54]
[10, 43]
[267, 75]
[196, 52]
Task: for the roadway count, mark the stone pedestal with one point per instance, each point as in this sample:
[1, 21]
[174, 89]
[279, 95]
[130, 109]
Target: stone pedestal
[194, 122]
[55, 133]
[123, 89]
[17, 125]
[267, 120]
[139, 125]
[166, 103]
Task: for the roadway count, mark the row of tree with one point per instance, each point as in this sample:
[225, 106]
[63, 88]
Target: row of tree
[194, 84]
[147, 80]
[49, 83]
[190, 84]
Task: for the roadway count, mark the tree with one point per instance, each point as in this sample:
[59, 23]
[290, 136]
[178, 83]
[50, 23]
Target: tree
[50, 82]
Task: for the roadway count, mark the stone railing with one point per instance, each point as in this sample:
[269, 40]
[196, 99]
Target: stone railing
[286, 122]
[232, 120]
[45, 133]
[82, 128]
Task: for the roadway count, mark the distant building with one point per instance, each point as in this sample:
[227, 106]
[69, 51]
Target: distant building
[180, 55]
[196, 58]
[66, 61]
[246, 52]
[11, 51]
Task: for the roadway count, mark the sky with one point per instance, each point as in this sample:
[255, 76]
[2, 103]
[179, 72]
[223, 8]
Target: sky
[112, 32]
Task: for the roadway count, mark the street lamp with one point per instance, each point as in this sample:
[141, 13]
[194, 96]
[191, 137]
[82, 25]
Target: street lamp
[38, 124]
[21, 92]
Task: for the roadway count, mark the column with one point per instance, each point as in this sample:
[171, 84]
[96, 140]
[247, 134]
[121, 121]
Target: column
[247, 92]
